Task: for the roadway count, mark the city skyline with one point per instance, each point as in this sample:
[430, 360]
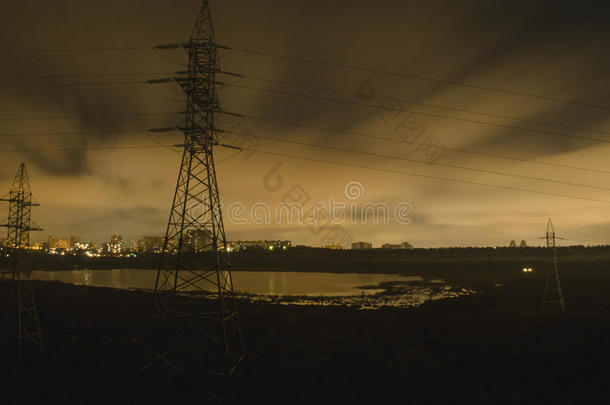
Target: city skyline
[128, 243]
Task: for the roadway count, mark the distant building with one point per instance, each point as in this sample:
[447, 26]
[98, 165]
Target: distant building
[245, 244]
[199, 240]
[522, 244]
[400, 246]
[512, 244]
[333, 247]
[81, 246]
[259, 244]
[115, 246]
[74, 240]
[362, 245]
[150, 244]
[62, 244]
[52, 242]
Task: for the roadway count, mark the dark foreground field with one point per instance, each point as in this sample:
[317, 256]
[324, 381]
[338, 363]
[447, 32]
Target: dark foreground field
[494, 347]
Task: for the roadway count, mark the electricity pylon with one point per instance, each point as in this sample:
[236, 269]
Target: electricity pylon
[193, 289]
[15, 266]
[553, 294]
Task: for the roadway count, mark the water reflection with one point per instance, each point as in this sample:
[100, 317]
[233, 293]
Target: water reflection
[366, 291]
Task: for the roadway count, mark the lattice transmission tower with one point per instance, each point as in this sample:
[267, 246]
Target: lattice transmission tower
[194, 289]
[15, 264]
[553, 295]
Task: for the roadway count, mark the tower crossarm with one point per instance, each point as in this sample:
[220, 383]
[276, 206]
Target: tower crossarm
[20, 201]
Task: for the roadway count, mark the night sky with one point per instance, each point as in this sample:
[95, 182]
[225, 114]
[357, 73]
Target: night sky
[555, 49]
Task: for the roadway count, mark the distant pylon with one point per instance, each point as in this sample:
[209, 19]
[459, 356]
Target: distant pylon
[553, 295]
[194, 290]
[15, 266]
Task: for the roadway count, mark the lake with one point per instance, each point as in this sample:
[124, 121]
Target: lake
[309, 287]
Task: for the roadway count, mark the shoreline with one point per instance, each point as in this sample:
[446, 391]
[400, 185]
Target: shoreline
[424, 262]
[400, 291]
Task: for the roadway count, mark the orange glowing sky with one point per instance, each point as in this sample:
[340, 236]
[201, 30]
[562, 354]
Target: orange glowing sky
[536, 47]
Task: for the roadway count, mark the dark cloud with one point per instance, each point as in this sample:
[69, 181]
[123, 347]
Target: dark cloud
[118, 220]
[540, 47]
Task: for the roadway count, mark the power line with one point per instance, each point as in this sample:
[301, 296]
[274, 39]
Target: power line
[60, 117]
[157, 93]
[350, 133]
[399, 141]
[166, 58]
[449, 108]
[88, 148]
[478, 122]
[68, 50]
[78, 84]
[383, 156]
[389, 139]
[105, 149]
[129, 82]
[604, 242]
[311, 127]
[283, 82]
[24, 86]
[419, 77]
[331, 162]
[120, 131]
[472, 121]
[58, 76]
[322, 62]
[474, 183]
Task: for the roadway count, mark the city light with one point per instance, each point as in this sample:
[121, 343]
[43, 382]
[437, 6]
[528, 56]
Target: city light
[116, 247]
